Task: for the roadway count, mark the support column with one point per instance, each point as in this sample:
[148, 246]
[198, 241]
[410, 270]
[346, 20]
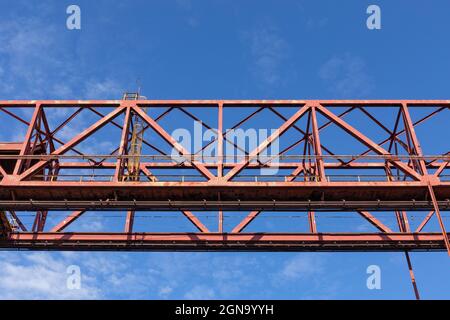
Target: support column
[413, 278]
[27, 142]
[123, 146]
[409, 127]
[317, 146]
[129, 222]
[220, 221]
[438, 215]
[312, 222]
[220, 141]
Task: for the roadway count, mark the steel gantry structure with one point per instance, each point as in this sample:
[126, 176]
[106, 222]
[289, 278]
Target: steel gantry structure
[349, 157]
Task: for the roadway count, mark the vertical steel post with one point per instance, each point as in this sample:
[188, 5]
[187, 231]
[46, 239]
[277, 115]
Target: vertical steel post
[312, 222]
[27, 142]
[317, 145]
[411, 274]
[438, 215]
[220, 221]
[129, 222]
[123, 145]
[220, 153]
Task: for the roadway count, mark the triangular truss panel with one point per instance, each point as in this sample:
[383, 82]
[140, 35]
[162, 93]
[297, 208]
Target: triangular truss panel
[279, 175]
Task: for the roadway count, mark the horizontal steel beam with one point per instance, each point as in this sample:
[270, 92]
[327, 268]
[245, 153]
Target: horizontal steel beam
[225, 241]
[280, 165]
[169, 205]
[409, 193]
[225, 103]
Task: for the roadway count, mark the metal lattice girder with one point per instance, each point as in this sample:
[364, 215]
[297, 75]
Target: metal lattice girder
[235, 242]
[47, 172]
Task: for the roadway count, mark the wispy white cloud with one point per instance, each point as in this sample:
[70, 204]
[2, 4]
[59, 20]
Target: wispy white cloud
[102, 89]
[165, 291]
[5, 86]
[41, 276]
[31, 57]
[268, 51]
[103, 275]
[310, 271]
[200, 292]
[301, 266]
[184, 4]
[37, 62]
[346, 76]
[191, 17]
[316, 23]
[94, 224]
[194, 276]
[161, 275]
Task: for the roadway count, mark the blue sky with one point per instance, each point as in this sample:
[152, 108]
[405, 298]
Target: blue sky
[224, 50]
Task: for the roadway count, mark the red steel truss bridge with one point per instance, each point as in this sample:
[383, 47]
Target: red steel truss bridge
[337, 175]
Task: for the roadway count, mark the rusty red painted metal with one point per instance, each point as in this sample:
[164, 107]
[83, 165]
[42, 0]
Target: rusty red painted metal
[34, 174]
